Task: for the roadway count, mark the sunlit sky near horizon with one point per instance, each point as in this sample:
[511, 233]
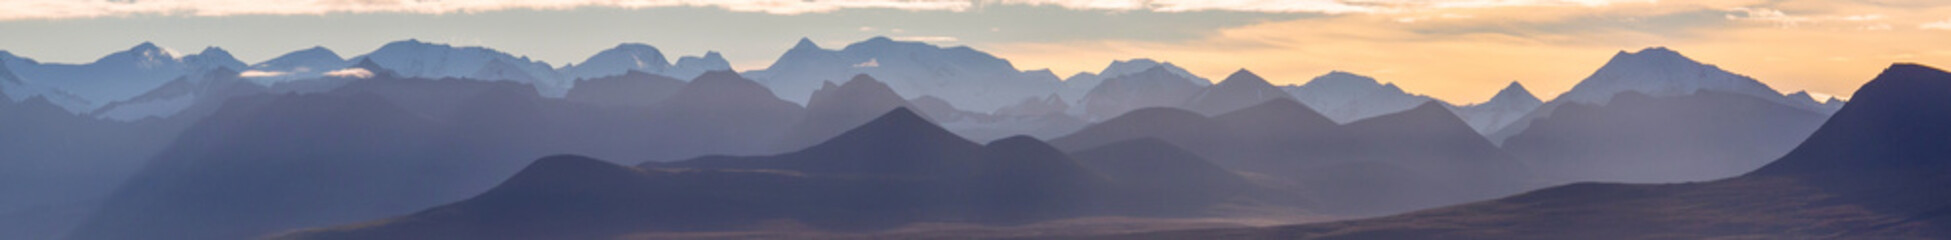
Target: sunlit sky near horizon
[1461, 51]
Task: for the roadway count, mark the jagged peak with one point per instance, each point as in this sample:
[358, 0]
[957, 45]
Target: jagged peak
[145, 46]
[1903, 80]
[805, 43]
[213, 51]
[1515, 92]
[1244, 77]
[1288, 110]
[1801, 95]
[1652, 54]
[1422, 113]
[899, 118]
[862, 80]
[314, 50]
[712, 76]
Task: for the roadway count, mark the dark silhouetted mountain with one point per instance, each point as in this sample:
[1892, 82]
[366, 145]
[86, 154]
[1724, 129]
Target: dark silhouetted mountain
[837, 108]
[632, 89]
[970, 79]
[242, 172]
[302, 64]
[1507, 106]
[1430, 143]
[722, 113]
[1426, 151]
[59, 165]
[895, 170]
[1154, 87]
[1240, 90]
[253, 168]
[1163, 176]
[898, 142]
[1873, 171]
[1636, 138]
[1346, 97]
[1179, 127]
[1892, 125]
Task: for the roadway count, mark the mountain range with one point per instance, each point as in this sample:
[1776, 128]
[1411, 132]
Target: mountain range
[422, 140]
[896, 169]
[1875, 170]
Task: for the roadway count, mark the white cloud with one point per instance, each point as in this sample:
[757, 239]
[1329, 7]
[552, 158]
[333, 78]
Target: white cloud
[1938, 25]
[350, 73]
[871, 62]
[258, 74]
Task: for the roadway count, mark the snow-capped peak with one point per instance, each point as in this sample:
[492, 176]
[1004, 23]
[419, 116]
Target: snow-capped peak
[1658, 71]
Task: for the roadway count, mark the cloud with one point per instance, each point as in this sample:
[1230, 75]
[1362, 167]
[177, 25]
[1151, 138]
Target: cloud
[350, 73]
[1938, 25]
[258, 74]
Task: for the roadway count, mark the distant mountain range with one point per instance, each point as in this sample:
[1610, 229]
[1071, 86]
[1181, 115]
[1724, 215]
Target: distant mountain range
[1875, 170]
[885, 134]
[970, 79]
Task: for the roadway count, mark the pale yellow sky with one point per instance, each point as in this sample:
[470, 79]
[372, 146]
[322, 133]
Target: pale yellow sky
[1464, 55]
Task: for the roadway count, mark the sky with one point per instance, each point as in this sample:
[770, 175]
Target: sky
[1461, 51]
